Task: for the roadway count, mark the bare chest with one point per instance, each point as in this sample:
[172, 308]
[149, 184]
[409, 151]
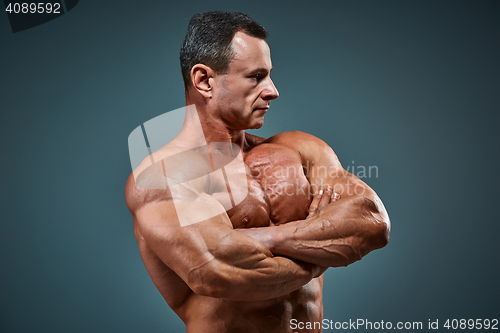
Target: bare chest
[278, 191]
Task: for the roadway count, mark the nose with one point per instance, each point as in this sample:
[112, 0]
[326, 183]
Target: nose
[270, 92]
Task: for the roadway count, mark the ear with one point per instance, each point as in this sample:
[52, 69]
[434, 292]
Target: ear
[201, 76]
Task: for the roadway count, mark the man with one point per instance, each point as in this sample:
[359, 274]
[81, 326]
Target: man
[235, 249]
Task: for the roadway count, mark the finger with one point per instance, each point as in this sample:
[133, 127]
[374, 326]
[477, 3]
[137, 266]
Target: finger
[326, 197]
[313, 207]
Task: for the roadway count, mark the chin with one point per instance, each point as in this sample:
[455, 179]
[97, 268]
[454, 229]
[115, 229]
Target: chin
[258, 124]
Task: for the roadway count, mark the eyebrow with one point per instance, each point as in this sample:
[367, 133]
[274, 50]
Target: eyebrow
[260, 70]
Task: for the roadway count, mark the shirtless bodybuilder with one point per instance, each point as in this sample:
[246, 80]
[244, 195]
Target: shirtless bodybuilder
[259, 264]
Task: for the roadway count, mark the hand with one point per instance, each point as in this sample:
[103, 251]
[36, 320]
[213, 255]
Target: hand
[321, 199]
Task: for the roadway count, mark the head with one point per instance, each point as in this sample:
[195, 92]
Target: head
[209, 39]
[226, 59]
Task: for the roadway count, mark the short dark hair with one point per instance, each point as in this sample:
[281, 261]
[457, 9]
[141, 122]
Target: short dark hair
[209, 38]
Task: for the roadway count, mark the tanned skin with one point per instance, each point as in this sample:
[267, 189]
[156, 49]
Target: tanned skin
[261, 263]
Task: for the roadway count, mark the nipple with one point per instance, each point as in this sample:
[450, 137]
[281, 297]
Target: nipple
[244, 220]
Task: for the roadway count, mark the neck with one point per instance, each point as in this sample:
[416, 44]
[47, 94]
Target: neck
[216, 130]
[200, 125]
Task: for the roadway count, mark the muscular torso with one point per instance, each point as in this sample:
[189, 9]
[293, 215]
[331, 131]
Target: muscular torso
[278, 192]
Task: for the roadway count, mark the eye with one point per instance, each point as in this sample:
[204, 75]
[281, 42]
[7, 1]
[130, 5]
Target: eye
[258, 77]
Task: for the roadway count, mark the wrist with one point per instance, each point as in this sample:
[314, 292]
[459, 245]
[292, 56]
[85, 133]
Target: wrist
[267, 236]
[277, 237]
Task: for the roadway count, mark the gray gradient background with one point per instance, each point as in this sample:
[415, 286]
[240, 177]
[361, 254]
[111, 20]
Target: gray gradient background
[411, 87]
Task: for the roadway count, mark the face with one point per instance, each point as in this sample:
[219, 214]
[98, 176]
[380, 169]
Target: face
[243, 95]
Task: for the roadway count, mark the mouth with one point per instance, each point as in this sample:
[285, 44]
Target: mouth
[263, 108]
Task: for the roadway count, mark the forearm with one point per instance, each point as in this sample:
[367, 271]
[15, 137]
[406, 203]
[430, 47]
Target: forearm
[342, 233]
[216, 261]
[266, 279]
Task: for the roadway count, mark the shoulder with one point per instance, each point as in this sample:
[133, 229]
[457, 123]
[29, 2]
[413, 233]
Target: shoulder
[150, 181]
[301, 142]
[137, 196]
[294, 138]
[309, 147]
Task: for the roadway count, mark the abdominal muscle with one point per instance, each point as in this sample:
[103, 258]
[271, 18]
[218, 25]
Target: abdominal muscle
[267, 203]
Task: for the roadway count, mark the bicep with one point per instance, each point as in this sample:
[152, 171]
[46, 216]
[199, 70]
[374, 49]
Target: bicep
[181, 245]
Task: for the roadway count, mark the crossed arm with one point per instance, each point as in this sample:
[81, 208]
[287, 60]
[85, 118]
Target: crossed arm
[210, 256]
[337, 232]
[215, 260]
